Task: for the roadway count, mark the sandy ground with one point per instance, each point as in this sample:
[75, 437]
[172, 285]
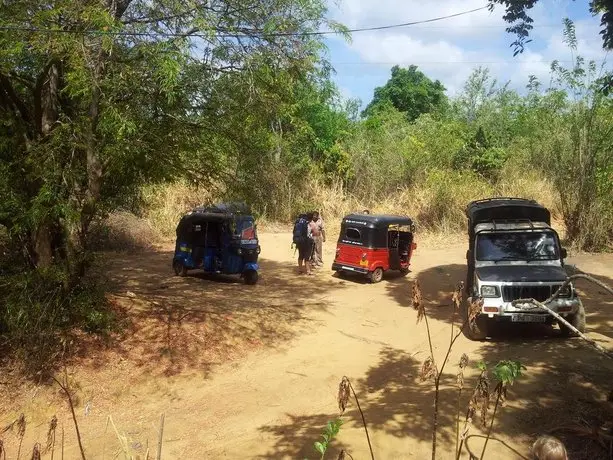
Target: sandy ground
[253, 371]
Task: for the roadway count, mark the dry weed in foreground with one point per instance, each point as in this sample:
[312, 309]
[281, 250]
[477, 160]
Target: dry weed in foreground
[344, 392]
[345, 389]
[66, 389]
[36, 452]
[479, 401]
[460, 384]
[416, 302]
[50, 446]
[428, 370]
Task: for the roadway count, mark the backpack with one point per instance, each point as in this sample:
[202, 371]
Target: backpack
[300, 232]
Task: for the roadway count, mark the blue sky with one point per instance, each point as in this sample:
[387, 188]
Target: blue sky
[451, 49]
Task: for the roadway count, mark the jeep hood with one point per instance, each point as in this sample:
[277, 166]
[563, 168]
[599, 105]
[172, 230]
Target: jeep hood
[519, 273]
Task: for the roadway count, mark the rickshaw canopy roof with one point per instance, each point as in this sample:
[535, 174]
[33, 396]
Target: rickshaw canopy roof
[376, 221]
[218, 213]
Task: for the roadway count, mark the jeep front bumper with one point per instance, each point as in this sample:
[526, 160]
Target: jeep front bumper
[496, 308]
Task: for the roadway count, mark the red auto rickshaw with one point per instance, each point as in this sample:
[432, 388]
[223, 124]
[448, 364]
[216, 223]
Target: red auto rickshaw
[371, 244]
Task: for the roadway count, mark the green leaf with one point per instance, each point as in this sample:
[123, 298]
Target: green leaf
[319, 447]
[508, 371]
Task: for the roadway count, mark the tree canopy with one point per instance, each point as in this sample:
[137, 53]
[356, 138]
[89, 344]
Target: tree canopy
[97, 98]
[516, 13]
[408, 91]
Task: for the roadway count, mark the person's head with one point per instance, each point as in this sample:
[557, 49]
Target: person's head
[366, 211]
[309, 216]
[315, 215]
[548, 448]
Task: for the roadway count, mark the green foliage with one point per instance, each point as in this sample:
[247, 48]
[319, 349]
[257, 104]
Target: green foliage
[508, 372]
[90, 115]
[410, 92]
[516, 14]
[38, 309]
[330, 432]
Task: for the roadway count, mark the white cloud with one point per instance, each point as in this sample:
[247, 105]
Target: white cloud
[360, 13]
[450, 49]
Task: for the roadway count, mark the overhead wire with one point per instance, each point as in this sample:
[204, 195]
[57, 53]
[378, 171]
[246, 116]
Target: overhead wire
[245, 33]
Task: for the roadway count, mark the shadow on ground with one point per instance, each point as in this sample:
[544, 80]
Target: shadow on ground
[564, 391]
[194, 323]
[296, 436]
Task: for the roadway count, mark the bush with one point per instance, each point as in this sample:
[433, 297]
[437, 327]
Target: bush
[39, 307]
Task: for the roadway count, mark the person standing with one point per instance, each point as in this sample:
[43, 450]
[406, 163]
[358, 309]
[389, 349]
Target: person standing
[303, 239]
[319, 237]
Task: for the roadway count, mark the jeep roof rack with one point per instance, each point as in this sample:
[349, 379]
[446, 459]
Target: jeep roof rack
[512, 221]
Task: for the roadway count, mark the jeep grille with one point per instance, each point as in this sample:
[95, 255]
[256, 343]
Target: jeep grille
[538, 293]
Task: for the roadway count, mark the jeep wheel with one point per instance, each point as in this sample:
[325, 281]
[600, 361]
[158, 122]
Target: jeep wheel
[478, 330]
[376, 275]
[577, 320]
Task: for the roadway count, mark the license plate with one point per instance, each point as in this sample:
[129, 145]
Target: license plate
[528, 318]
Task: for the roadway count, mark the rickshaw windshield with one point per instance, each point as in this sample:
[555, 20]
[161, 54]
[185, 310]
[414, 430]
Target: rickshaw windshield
[245, 230]
[401, 228]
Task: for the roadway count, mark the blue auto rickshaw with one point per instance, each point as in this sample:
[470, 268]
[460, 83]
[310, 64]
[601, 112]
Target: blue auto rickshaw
[218, 239]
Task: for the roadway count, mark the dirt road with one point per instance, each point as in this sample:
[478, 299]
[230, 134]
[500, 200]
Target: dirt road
[253, 371]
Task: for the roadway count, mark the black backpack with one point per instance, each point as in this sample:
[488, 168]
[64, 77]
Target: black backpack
[301, 227]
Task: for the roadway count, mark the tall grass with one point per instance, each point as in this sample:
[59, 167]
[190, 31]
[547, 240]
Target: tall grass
[435, 200]
[163, 205]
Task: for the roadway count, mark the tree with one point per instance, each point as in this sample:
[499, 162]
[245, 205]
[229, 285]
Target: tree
[573, 146]
[410, 92]
[97, 98]
[516, 14]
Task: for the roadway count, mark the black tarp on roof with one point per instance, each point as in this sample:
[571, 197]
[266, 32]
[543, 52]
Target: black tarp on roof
[505, 208]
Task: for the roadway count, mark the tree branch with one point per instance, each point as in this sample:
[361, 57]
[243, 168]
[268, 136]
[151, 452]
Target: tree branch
[18, 104]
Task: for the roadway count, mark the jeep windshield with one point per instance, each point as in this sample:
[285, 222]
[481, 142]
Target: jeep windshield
[523, 246]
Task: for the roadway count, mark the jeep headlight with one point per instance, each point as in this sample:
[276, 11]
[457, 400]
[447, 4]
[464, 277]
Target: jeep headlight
[566, 291]
[239, 251]
[489, 291]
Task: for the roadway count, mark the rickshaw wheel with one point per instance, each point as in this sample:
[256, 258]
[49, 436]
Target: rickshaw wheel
[179, 268]
[376, 275]
[251, 277]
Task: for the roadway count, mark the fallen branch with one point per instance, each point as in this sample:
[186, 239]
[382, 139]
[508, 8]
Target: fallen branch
[589, 278]
[542, 305]
[563, 321]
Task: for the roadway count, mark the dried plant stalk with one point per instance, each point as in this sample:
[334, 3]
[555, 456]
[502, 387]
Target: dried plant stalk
[460, 384]
[428, 370]
[344, 386]
[456, 298]
[21, 432]
[51, 436]
[417, 302]
[36, 452]
[344, 392]
[479, 402]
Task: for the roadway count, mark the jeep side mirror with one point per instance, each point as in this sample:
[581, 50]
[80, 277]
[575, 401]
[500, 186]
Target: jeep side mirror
[563, 253]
